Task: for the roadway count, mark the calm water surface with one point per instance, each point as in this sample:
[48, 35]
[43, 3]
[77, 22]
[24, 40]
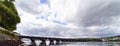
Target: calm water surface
[87, 44]
[79, 43]
[91, 44]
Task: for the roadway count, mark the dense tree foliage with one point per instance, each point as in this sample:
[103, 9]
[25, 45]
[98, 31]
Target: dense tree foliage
[8, 15]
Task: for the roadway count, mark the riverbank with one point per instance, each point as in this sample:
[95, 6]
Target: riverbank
[10, 42]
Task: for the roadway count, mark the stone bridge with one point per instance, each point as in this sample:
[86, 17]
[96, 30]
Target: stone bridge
[51, 39]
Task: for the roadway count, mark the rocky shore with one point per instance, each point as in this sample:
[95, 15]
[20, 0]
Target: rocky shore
[6, 40]
[10, 42]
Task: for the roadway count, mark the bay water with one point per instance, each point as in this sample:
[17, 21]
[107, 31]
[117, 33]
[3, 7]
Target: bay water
[81, 44]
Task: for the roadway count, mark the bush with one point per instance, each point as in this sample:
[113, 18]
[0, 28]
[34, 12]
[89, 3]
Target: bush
[8, 15]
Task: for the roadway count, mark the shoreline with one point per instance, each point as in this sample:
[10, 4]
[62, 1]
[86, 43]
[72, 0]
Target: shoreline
[10, 42]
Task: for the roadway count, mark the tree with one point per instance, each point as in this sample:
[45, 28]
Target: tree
[8, 16]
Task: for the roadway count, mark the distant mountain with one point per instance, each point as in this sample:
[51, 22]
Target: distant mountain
[112, 36]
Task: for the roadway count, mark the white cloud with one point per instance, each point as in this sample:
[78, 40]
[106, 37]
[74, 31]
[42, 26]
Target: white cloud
[74, 18]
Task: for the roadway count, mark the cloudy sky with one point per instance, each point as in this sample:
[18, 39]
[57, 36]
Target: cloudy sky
[69, 18]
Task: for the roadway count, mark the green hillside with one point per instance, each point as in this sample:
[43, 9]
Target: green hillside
[8, 16]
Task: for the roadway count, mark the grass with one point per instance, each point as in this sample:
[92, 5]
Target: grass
[7, 33]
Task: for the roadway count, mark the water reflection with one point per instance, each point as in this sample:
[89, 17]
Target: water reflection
[93, 44]
[38, 42]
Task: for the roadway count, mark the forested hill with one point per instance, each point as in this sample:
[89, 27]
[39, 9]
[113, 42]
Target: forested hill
[8, 15]
[118, 36]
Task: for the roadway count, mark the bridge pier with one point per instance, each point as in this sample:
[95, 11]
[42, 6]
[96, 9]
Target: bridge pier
[52, 42]
[43, 42]
[58, 41]
[33, 42]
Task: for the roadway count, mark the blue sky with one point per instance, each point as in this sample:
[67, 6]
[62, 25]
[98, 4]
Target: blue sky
[43, 1]
[68, 18]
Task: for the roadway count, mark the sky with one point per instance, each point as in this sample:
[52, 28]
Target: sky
[68, 18]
